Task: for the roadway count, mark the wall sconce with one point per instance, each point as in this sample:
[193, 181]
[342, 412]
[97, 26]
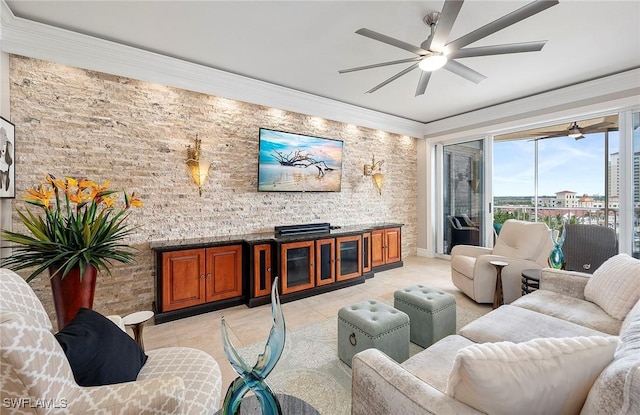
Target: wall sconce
[377, 177]
[199, 169]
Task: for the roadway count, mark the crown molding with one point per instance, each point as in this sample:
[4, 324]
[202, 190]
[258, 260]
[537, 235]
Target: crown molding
[610, 93]
[40, 41]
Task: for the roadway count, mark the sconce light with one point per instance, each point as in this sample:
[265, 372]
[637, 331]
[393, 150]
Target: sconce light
[377, 177]
[199, 169]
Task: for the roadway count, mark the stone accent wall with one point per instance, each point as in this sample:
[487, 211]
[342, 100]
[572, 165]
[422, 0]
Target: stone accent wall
[74, 122]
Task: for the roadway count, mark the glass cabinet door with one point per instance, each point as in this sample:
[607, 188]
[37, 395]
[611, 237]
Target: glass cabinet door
[349, 257]
[325, 261]
[297, 266]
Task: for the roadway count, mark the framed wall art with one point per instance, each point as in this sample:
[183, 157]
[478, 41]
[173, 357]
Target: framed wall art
[7, 160]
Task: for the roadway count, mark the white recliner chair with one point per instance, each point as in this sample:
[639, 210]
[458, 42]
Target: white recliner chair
[523, 245]
[36, 377]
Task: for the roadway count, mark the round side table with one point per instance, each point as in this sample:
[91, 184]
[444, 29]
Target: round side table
[530, 280]
[498, 298]
[136, 322]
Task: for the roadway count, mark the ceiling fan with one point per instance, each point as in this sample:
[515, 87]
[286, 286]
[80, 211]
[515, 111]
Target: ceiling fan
[435, 53]
[575, 131]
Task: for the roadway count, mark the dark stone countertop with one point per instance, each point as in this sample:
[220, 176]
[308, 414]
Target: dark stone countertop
[255, 238]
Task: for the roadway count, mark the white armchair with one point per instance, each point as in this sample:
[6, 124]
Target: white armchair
[522, 245]
[36, 376]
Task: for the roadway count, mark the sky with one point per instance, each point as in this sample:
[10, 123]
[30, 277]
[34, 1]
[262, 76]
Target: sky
[564, 164]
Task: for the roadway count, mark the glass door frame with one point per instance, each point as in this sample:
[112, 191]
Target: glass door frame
[626, 205]
[487, 200]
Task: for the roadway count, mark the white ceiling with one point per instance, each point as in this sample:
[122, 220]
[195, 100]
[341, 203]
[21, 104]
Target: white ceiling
[303, 44]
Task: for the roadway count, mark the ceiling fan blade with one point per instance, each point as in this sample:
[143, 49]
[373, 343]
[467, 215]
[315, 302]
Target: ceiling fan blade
[393, 78]
[498, 49]
[499, 24]
[377, 65]
[446, 20]
[423, 82]
[464, 71]
[594, 127]
[552, 134]
[391, 41]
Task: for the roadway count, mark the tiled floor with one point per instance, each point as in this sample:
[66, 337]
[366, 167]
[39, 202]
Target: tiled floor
[250, 325]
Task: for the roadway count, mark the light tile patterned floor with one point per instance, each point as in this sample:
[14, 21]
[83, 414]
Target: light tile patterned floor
[249, 325]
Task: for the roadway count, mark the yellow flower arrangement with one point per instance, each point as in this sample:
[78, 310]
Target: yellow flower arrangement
[82, 227]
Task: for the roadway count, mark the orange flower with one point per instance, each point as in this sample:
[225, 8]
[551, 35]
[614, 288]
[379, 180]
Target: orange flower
[55, 182]
[71, 182]
[132, 200]
[41, 196]
[86, 184]
[109, 200]
[97, 191]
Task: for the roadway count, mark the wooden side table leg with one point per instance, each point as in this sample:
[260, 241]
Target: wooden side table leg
[498, 298]
[137, 334]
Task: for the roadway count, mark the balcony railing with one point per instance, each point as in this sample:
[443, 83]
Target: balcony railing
[553, 216]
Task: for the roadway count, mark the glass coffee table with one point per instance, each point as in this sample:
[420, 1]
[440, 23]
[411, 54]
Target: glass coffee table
[289, 404]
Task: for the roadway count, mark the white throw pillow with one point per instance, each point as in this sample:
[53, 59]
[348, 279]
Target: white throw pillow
[541, 376]
[615, 285]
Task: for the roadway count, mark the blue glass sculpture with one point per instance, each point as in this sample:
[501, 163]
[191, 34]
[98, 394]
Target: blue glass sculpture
[254, 378]
[556, 257]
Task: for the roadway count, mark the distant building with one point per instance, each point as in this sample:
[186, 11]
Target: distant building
[566, 199]
[586, 201]
[614, 176]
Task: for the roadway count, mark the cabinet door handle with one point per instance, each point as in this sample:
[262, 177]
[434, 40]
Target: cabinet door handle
[208, 275]
[202, 276]
[268, 269]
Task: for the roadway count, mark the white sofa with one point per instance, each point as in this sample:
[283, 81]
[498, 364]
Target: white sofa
[558, 312]
[523, 245]
[37, 378]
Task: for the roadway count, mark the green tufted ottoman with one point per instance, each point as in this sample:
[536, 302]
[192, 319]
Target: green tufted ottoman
[372, 324]
[432, 313]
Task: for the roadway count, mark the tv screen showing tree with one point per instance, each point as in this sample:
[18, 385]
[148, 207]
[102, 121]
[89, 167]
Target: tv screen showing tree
[289, 162]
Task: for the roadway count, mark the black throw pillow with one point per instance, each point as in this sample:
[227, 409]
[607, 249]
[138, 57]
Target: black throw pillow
[99, 352]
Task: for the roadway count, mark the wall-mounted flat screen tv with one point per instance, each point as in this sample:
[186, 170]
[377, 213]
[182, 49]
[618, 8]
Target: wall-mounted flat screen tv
[291, 162]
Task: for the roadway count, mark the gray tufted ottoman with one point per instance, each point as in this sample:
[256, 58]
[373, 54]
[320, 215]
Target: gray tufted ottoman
[432, 313]
[372, 324]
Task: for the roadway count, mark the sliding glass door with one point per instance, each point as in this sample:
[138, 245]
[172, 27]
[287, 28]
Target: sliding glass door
[547, 175]
[463, 195]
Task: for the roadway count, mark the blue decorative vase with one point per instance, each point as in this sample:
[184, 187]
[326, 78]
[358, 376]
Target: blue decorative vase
[556, 257]
[253, 378]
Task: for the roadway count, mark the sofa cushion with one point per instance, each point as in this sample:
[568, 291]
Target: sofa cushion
[508, 378]
[521, 240]
[615, 285]
[617, 389]
[571, 309]
[433, 364]
[515, 324]
[98, 351]
[463, 264]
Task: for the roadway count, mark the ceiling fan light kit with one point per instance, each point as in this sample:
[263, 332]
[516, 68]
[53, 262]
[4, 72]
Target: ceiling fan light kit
[435, 53]
[433, 62]
[574, 131]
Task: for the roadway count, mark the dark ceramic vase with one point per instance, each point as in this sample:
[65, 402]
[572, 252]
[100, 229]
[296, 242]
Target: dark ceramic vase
[72, 292]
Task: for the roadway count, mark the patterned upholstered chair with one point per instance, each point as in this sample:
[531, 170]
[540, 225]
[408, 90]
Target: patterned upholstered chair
[36, 376]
